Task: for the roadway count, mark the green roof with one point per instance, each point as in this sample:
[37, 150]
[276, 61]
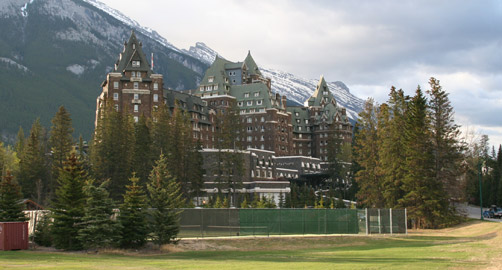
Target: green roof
[217, 73]
[321, 95]
[251, 65]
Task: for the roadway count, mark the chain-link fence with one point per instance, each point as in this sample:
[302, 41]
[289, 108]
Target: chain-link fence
[209, 222]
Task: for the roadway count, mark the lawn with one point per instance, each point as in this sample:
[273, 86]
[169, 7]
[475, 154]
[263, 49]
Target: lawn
[473, 245]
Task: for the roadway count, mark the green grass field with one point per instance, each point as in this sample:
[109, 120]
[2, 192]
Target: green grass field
[474, 245]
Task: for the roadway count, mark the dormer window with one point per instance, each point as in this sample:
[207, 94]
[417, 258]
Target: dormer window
[257, 94]
[210, 79]
[133, 74]
[246, 95]
[325, 93]
[136, 63]
[136, 85]
[138, 74]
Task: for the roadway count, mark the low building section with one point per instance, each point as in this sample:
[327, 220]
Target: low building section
[262, 174]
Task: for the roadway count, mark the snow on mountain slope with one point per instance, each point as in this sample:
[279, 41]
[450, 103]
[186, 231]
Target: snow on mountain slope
[295, 88]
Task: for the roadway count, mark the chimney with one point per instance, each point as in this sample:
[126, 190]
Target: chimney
[284, 99]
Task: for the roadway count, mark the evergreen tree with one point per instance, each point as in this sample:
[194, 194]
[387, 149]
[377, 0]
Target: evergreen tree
[143, 157]
[391, 141]
[424, 196]
[98, 229]
[112, 149]
[68, 205]
[132, 218]
[20, 142]
[43, 235]
[447, 149]
[339, 158]
[281, 200]
[60, 141]
[33, 173]
[196, 172]
[165, 198]
[161, 127]
[11, 207]
[244, 203]
[366, 156]
[218, 203]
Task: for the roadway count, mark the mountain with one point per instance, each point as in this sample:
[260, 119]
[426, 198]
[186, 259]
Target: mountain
[297, 89]
[57, 52]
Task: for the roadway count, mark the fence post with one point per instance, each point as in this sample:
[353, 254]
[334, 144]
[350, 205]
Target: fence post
[367, 220]
[379, 222]
[390, 212]
[405, 221]
[202, 223]
[325, 221]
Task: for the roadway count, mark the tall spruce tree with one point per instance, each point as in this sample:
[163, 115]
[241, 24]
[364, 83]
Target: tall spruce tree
[133, 216]
[11, 207]
[366, 155]
[391, 142]
[98, 229]
[424, 197]
[68, 205]
[165, 197]
[447, 148]
[112, 149]
[143, 156]
[33, 173]
[61, 142]
[161, 127]
[20, 142]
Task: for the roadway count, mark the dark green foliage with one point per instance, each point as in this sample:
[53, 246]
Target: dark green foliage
[112, 149]
[33, 173]
[43, 235]
[68, 205]
[143, 156]
[98, 229]
[60, 141]
[165, 197]
[133, 214]
[366, 156]
[11, 207]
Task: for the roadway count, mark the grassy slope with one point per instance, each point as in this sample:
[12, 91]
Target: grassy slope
[472, 246]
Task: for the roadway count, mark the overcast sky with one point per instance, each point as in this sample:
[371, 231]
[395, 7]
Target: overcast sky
[369, 45]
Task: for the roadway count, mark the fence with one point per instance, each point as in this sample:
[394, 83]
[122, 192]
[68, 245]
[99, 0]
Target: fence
[209, 222]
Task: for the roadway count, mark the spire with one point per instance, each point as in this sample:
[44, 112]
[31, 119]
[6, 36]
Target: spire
[133, 58]
[251, 65]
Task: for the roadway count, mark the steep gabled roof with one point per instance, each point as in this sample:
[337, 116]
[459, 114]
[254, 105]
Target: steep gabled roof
[251, 65]
[319, 97]
[132, 52]
[217, 73]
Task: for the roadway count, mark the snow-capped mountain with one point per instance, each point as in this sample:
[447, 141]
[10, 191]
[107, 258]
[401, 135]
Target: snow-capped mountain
[297, 89]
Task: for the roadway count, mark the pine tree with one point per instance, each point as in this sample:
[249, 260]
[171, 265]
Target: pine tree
[244, 203]
[112, 149]
[165, 198]
[133, 214]
[391, 142]
[11, 207]
[68, 205]
[447, 149]
[161, 127]
[218, 203]
[20, 142]
[33, 173]
[43, 234]
[424, 196]
[98, 229]
[142, 158]
[60, 141]
[196, 172]
[366, 156]
[281, 200]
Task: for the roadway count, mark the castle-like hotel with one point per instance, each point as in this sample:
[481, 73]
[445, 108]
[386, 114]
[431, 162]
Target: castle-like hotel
[283, 142]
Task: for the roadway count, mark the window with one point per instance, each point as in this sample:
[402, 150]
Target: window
[155, 98]
[239, 104]
[246, 94]
[115, 96]
[138, 74]
[136, 108]
[133, 74]
[257, 94]
[249, 120]
[115, 85]
[155, 86]
[136, 85]
[262, 119]
[250, 138]
[297, 114]
[259, 102]
[325, 93]
[116, 106]
[136, 63]
[249, 103]
[136, 119]
[136, 96]
[210, 79]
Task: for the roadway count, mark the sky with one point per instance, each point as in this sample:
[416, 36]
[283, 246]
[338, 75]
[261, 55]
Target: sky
[368, 45]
